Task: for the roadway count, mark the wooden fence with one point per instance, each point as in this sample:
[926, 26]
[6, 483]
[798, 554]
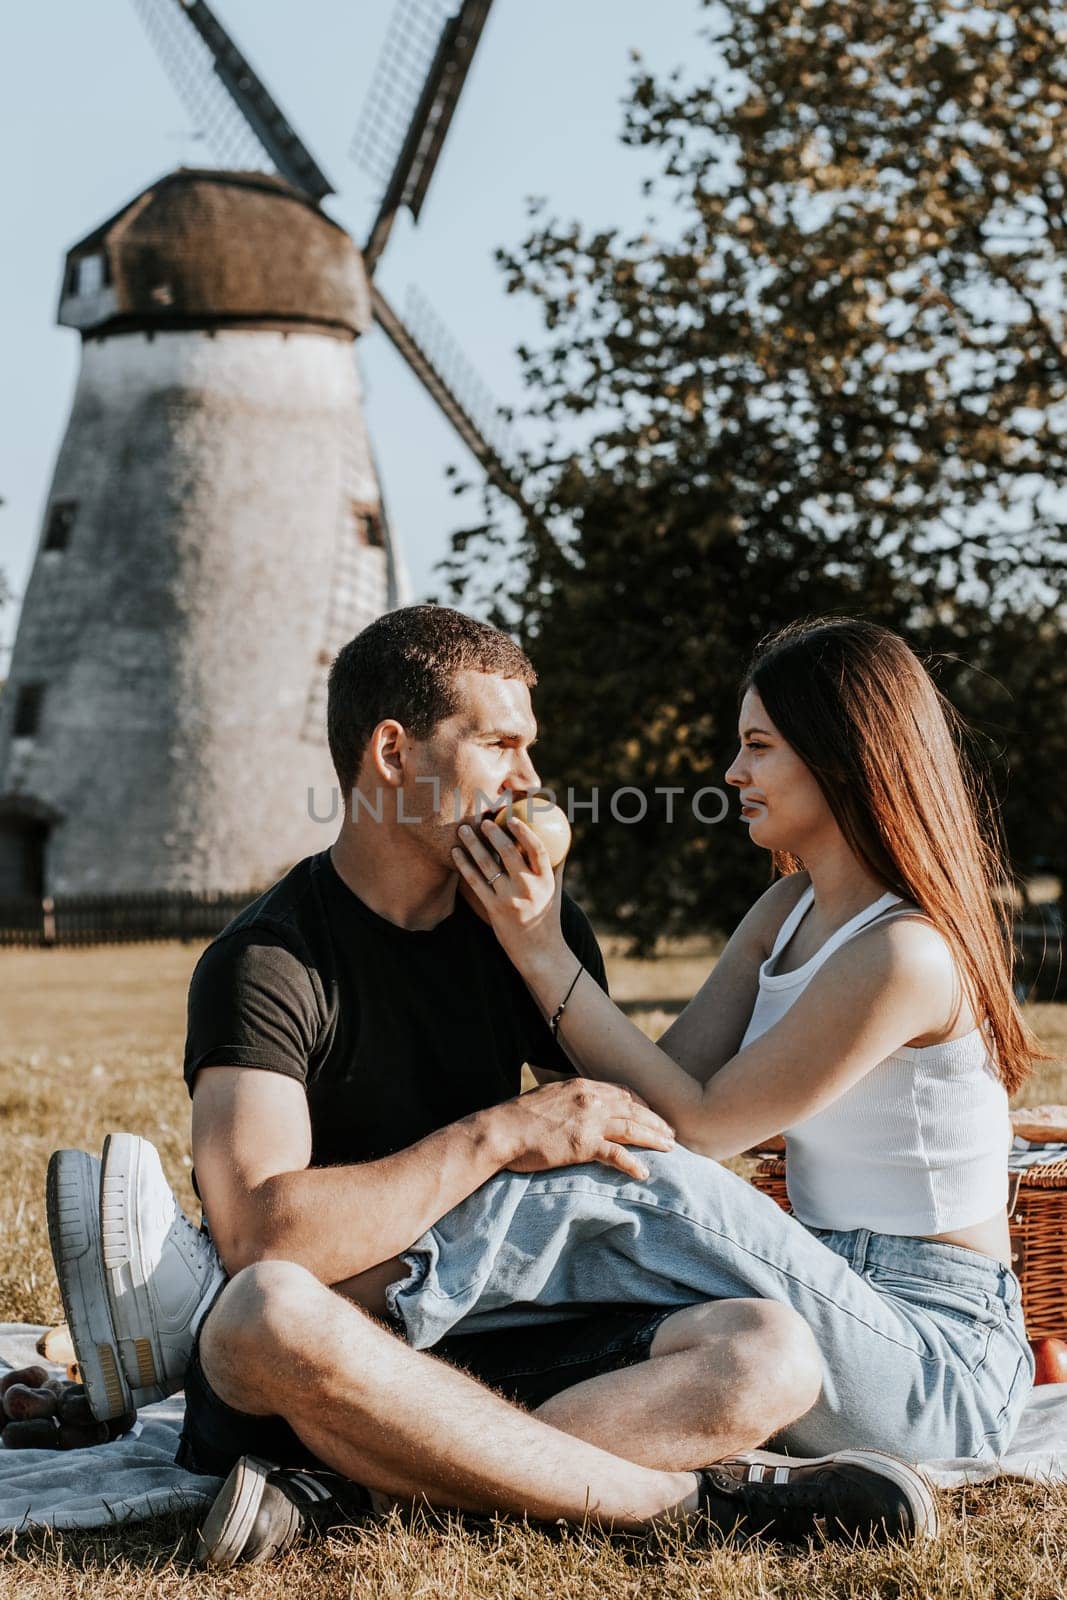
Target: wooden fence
[86, 919]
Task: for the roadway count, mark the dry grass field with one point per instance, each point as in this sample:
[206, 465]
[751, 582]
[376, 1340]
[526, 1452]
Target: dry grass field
[91, 1041]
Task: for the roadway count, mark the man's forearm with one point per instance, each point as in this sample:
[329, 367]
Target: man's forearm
[339, 1221]
[252, 1144]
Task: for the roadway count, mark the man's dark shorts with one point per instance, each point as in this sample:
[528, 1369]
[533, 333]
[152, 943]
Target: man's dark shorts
[526, 1365]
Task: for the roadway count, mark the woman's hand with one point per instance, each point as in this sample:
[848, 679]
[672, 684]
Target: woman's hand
[508, 873]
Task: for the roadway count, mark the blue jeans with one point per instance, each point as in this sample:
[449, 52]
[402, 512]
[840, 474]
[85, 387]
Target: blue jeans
[923, 1345]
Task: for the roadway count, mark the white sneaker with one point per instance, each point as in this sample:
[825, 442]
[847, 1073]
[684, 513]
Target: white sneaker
[73, 1207]
[161, 1274]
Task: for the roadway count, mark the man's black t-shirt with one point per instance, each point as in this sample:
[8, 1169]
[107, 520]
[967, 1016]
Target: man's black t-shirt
[393, 1033]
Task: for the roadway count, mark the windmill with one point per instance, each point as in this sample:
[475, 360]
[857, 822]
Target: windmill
[215, 529]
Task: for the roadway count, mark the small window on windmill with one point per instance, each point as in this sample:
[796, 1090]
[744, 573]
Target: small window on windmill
[367, 524]
[61, 514]
[28, 710]
[91, 274]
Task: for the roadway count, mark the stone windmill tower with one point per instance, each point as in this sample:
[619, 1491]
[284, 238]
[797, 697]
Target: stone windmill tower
[214, 530]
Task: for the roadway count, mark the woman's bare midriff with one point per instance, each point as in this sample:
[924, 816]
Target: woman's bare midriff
[989, 1238]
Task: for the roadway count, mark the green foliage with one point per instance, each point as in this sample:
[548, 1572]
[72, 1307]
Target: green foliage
[5, 601]
[832, 379]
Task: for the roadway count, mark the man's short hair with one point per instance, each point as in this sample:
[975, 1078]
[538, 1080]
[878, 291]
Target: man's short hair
[404, 666]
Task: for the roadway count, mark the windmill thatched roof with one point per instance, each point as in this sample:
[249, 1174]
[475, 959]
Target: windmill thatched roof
[205, 248]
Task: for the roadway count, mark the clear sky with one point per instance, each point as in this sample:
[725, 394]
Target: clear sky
[91, 118]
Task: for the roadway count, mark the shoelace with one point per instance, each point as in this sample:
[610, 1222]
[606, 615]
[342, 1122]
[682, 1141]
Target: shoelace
[191, 1243]
[797, 1493]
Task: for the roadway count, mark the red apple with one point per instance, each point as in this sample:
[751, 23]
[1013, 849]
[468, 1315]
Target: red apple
[1050, 1356]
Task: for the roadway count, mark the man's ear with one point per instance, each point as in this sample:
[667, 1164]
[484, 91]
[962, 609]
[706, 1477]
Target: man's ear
[388, 750]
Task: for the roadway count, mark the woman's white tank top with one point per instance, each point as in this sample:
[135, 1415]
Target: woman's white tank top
[919, 1145]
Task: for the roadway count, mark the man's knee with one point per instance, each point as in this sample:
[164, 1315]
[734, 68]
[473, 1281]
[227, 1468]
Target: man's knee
[783, 1348]
[266, 1298]
[255, 1325]
[768, 1347]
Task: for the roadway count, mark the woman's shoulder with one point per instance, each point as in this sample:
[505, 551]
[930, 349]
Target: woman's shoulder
[772, 908]
[907, 935]
[911, 956]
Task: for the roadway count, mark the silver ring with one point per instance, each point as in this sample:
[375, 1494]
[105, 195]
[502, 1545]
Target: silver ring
[492, 880]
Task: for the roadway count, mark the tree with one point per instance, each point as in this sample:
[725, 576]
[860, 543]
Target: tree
[5, 601]
[831, 380]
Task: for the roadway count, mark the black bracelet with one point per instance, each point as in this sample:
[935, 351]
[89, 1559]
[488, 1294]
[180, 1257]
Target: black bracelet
[561, 1008]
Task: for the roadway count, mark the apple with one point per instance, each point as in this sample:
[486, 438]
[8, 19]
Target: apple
[547, 821]
[1050, 1357]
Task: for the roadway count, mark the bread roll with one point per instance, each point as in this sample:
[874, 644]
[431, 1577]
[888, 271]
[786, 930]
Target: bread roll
[1041, 1124]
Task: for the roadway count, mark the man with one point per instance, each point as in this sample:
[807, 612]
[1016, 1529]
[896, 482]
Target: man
[354, 1051]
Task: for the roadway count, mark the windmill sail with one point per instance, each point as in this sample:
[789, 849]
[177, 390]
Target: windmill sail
[424, 65]
[445, 374]
[409, 111]
[232, 105]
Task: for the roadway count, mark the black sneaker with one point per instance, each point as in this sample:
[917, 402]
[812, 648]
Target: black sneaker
[262, 1510]
[853, 1495]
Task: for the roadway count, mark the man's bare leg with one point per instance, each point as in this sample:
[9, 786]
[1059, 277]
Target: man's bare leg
[721, 1378]
[400, 1422]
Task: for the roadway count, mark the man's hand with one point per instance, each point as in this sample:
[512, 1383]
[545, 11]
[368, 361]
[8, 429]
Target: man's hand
[564, 1124]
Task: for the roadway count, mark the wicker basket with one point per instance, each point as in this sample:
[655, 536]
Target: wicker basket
[1037, 1215]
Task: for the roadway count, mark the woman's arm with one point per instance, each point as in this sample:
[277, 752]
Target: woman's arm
[710, 1029]
[887, 986]
[884, 987]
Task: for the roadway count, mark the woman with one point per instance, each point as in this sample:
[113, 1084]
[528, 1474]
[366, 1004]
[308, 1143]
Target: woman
[865, 1006]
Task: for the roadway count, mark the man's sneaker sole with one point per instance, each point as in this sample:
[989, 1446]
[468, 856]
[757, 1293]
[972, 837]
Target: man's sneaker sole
[154, 1313]
[912, 1482]
[72, 1204]
[125, 1270]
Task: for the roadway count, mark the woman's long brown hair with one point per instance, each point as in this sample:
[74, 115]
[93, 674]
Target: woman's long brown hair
[861, 711]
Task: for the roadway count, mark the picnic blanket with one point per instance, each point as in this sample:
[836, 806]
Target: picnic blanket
[130, 1479]
[137, 1477]
[1027, 1153]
